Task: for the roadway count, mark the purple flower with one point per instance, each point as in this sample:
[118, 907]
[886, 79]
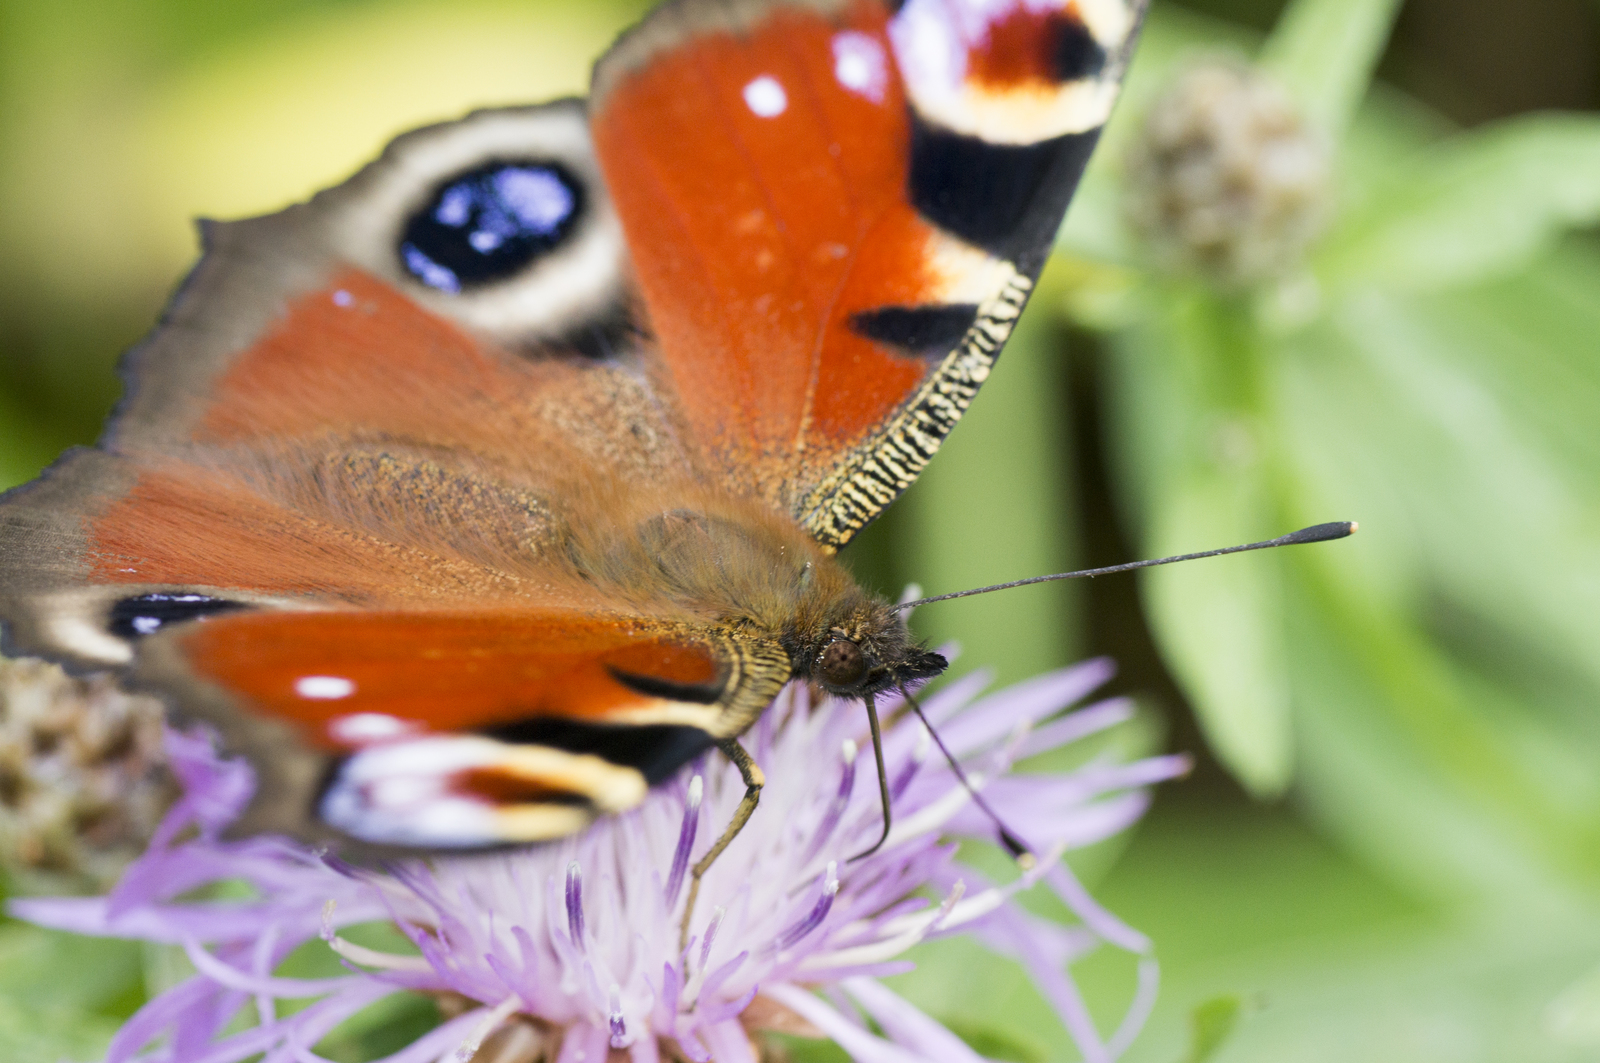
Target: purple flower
[573, 947]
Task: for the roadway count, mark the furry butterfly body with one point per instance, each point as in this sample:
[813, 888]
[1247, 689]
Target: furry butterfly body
[481, 492]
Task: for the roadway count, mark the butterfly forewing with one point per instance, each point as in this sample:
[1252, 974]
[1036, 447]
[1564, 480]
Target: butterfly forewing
[836, 212]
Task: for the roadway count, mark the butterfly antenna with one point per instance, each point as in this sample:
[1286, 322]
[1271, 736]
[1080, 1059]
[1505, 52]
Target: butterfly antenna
[1317, 533]
[883, 778]
[1019, 849]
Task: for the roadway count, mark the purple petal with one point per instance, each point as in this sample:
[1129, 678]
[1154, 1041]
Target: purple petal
[245, 982]
[1078, 725]
[813, 919]
[686, 833]
[575, 903]
[1144, 1002]
[432, 1045]
[728, 1043]
[153, 1019]
[997, 715]
[908, 1026]
[715, 979]
[1096, 918]
[582, 1043]
[862, 1046]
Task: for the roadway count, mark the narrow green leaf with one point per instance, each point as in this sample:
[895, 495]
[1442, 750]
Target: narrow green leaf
[1324, 52]
[1481, 205]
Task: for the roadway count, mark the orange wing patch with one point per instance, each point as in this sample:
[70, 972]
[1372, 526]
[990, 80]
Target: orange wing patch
[764, 201]
[836, 211]
[454, 730]
[346, 679]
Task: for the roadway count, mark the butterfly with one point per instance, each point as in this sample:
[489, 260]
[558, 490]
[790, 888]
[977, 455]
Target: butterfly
[481, 493]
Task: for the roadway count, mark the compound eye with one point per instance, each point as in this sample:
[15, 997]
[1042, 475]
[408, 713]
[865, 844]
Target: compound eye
[841, 664]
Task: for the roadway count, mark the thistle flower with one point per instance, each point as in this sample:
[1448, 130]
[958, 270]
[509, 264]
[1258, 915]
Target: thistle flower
[570, 951]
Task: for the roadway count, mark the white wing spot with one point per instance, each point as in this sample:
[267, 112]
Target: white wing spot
[362, 727]
[324, 687]
[860, 65]
[765, 97]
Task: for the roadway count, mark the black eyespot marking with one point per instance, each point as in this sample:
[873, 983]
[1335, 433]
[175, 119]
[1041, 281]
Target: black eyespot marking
[922, 330]
[606, 337]
[134, 618]
[656, 750]
[1077, 53]
[1006, 198]
[656, 687]
[488, 224]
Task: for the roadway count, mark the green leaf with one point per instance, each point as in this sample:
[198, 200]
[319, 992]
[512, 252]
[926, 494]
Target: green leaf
[993, 507]
[51, 1034]
[52, 969]
[1574, 1017]
[1218, 623]
[1333, 964]
[1324, 52]
[61, 995]
[1479, 206]
[993, 1041]
[1211, 1024]
[1188, 408]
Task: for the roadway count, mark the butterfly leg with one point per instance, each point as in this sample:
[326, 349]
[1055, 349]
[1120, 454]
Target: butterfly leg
[754, 780]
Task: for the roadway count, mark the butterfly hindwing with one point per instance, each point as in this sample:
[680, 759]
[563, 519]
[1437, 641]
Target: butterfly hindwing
[450, 729]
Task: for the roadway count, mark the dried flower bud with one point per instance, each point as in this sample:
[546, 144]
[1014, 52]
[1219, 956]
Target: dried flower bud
[1225, 179]
[83, 781]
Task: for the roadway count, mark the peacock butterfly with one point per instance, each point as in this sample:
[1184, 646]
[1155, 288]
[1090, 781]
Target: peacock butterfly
[485, 490]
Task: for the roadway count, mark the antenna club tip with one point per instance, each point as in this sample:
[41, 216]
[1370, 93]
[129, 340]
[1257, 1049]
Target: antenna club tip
[1355, 526]
[1319, 533]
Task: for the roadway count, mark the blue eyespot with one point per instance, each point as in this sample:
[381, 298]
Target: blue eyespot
[489, 224]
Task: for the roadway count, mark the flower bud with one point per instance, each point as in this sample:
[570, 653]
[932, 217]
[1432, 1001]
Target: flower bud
[83, 778]
[1225, 179]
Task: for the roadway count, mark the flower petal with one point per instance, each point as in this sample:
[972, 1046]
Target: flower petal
[862, 1046]
[908, 1026]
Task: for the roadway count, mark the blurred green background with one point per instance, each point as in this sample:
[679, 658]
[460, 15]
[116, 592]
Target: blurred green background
[1390, 847]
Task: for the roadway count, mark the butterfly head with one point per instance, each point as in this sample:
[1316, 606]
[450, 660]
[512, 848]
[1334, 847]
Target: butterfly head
[870, 653]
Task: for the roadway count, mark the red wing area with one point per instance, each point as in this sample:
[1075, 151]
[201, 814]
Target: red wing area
[835, 211]
[346, 679]
[358, 355]
[758, 235]
[426, 731]
[179, 525]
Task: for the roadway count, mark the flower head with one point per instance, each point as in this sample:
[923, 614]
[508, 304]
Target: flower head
[571, 951]
[82, 779]
[1225, 178]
